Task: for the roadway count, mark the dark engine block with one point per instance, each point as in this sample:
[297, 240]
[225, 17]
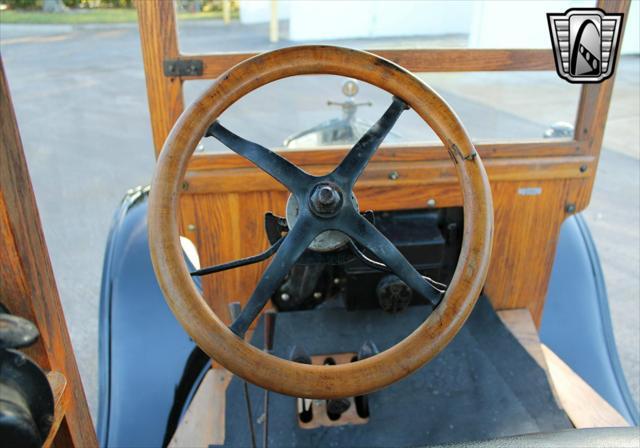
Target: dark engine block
[429, 238]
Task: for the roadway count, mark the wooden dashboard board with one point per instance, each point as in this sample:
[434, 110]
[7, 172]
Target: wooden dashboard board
[224, 200]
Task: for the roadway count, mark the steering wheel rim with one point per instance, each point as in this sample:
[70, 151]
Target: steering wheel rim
[210, 332]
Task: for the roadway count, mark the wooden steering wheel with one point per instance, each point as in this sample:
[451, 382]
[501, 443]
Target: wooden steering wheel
[325, 204]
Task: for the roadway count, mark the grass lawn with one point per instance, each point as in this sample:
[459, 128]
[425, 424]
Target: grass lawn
[81, 16]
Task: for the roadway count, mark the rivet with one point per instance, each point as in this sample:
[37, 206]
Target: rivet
[317, 295]
[583, 168]
[431, 203]
[393, 175]
[570, 208]
[285, 297]
[191, 227]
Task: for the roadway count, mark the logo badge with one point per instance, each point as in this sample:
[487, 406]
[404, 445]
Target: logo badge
[585, 43]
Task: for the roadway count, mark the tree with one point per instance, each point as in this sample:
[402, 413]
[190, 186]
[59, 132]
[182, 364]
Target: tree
[53, 6]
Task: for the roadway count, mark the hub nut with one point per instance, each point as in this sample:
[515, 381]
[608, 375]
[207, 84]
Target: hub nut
[325, 199]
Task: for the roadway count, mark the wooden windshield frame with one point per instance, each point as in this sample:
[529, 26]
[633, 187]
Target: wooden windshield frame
[159, 37]
[527, 228]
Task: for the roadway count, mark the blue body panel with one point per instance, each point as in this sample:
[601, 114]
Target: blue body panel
[143, 349]
[576, 323]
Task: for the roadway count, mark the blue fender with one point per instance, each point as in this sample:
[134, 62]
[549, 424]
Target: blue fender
[143, 349]
[576, 323]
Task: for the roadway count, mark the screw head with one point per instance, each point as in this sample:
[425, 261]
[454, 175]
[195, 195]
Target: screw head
[431, 203]
[583, 168]
[393, 175]
[570, 208]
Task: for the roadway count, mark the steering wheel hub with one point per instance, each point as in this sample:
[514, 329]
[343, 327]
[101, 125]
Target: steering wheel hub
[327, 241]
[325, 200]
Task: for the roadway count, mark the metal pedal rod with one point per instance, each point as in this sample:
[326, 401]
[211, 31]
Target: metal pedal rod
[269, 331]
[234, 311]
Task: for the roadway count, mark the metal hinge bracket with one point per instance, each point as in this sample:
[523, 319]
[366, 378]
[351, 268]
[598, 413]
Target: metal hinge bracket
[175, 68]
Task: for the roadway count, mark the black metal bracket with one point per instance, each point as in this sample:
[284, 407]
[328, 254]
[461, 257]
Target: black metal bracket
[175, 68]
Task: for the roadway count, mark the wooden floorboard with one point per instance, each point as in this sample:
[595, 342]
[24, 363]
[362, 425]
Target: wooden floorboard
[583, 405]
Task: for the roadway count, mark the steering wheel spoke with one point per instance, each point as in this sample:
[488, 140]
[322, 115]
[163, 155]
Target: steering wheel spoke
[369, 236]
[352, 166]
[294, 244]
[268, 161]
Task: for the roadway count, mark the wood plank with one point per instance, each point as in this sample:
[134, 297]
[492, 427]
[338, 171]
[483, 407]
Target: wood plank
[584, 406]
[409, 152]
[230, 226]
[26, 277]
[159, 41]
[204, 422]
[521, 325]
[527, 230]
[416, 60]
[595, 98]
[58, 385]
[378, 174]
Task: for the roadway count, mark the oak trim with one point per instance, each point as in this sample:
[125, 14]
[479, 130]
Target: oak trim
[415, 60]
[409, 152]
[242, 180]
[584, 406]
[58, 384]
[159, 41]
[27, 283]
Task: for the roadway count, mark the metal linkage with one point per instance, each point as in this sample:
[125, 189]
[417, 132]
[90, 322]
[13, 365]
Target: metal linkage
[241, 262]
[439, 288]
[325, 203]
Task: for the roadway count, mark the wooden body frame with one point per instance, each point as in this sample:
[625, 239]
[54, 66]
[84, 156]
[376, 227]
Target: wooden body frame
[28, 287]
[224, 196]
